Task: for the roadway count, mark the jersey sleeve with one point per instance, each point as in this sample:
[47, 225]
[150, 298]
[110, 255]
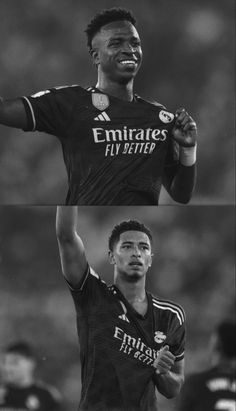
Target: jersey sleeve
[178, 334]
[172, 156]
[50, 110]
[89, 292]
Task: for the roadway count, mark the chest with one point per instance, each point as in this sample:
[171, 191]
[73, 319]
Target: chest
[125, 334]
[140, 307]
[120, 130]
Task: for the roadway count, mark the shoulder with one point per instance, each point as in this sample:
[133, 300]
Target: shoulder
[166, 115]
[73, 90]
[169, 308]
[94, 278]
[90, 283]
[152, 103]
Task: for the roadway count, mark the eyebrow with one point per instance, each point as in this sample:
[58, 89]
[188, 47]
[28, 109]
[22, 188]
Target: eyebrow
[132, 242]
[120, 37]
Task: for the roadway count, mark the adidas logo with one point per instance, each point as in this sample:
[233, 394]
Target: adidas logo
[103, 117]
[123, 317]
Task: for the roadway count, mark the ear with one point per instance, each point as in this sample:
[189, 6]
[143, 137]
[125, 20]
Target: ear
[95, 57]
[150, 262]
[111, 257]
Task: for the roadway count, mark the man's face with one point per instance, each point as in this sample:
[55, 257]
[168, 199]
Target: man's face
[132, 255]
[17, 369]
[117, 51]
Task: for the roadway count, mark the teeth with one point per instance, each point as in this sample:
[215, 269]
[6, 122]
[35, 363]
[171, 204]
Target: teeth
[128, 62]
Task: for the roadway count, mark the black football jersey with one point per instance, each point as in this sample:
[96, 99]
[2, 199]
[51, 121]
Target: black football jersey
[211, 390]
[115, 151]
[36, 397]
[118, 346]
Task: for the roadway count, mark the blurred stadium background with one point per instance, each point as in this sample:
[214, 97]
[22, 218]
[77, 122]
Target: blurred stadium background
[193, 265]
[188, 61]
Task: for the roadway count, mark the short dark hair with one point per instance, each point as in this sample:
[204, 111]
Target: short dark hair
[130, 225]
[226, 332]
[21, 348]
[107, 16]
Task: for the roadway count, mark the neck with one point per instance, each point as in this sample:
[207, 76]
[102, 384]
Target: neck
[132, 291]
[123, 91]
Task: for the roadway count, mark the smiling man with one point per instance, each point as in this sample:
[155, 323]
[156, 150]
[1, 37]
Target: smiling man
[118, 148]
[131, 343]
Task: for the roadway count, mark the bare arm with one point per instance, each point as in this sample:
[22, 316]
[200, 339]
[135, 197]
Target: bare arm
[71, 248]
[169, 375]
[12, 113]
[180, 180]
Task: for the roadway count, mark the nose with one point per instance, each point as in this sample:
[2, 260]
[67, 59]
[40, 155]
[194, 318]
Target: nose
[128, 48]
[136, 251]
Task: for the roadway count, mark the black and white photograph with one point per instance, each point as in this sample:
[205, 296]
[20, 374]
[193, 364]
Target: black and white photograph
[131, 104]
[117, 205]
[103, 293]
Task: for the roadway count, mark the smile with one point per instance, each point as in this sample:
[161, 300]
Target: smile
[128, 62]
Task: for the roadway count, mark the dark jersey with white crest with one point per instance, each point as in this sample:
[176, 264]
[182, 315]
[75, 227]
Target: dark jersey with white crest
[118, 346]
[115, 151]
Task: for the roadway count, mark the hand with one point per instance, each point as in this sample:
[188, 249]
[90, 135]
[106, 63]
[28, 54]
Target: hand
[185, 129]
[165, 361]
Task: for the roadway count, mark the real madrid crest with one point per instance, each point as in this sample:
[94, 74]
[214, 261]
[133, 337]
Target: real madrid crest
[159, 337]
[166, 116]
[100, 101]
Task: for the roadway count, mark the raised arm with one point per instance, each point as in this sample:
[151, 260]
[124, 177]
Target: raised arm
[13, 113]
[180, 180]
[71, 248]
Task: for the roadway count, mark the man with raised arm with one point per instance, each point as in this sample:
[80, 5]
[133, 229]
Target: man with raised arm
[131, 343]
[118, 149]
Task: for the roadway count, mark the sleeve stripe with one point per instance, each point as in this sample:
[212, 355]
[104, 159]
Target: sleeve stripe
[170, 305]
[170, 309]
[180, 355]
[32, 112]
[84, 279]
[89, 271]
[93, 273]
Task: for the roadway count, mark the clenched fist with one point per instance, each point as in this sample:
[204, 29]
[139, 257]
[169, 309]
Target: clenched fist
[165, 361]
[185, 129]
